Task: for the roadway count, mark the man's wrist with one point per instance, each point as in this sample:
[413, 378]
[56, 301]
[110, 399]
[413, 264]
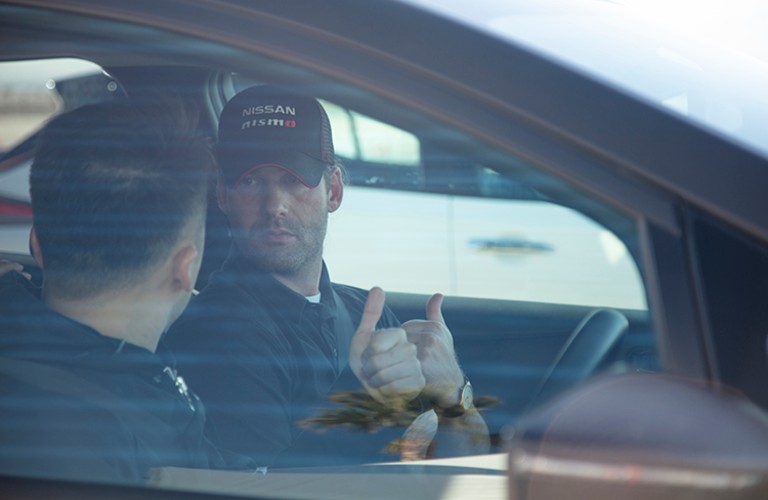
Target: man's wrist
[465, 401]
[451, 402]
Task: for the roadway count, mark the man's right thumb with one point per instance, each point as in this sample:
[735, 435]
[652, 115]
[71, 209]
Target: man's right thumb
[372, 311]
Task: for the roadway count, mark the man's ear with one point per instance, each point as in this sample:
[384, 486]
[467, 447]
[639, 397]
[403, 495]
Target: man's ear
[34, 247]
[185, 267]
[335, 190]
[221, 196]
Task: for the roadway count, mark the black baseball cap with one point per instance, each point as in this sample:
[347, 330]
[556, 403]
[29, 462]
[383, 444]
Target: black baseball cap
[272, 126]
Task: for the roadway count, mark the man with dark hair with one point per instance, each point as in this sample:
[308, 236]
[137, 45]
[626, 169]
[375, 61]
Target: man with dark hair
[119, 199]
[271, 337]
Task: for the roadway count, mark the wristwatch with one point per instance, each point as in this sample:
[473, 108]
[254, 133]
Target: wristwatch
[466, 399]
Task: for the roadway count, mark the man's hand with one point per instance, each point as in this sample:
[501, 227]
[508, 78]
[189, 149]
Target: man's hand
[7, 266]
[384, 361]
[434, 343]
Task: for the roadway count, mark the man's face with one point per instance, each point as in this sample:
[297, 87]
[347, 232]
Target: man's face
[278, 222]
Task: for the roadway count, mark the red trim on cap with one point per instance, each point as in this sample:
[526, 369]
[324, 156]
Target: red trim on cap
[253, 169]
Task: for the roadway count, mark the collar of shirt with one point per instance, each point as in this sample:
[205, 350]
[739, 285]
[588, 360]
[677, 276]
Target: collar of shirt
[269, 290]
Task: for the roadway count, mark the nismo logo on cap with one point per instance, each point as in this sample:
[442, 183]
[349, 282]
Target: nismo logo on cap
[268, 122]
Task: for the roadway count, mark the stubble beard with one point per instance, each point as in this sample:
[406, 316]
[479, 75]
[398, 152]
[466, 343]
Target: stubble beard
[289, 259]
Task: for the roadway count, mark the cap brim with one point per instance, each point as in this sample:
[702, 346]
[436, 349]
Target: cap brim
[236, 164]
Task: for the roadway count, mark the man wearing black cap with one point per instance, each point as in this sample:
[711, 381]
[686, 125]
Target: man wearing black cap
[271, 337]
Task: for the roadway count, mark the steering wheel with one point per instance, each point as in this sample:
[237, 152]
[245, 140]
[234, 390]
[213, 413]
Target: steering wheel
[583, 353]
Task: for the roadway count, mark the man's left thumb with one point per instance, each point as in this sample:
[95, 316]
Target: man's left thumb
[434, 306]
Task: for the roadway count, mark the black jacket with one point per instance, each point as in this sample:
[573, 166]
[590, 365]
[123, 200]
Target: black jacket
[263, 358]
[81, 406]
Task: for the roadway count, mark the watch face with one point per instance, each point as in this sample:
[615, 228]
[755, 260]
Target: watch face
[467, 396]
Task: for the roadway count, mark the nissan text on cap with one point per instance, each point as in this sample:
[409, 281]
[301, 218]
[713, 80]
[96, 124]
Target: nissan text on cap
[266, 126]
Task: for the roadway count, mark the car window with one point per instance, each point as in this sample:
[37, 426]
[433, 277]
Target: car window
[359, 137]
[470, 246]
[506, 242]
[478, 247]
[31, 92]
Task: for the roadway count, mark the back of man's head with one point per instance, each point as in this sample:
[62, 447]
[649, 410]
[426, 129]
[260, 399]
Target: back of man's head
[113, 186]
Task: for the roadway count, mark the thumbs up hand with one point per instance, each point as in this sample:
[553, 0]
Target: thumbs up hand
[434, 344]
[384, 361]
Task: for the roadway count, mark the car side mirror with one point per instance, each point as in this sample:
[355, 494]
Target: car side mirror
[641, 436]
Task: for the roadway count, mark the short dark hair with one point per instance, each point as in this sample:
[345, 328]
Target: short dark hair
[113, 185]
[337, 164]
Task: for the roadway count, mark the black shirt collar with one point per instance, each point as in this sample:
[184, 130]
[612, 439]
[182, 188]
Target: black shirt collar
[35, 332]
[268, 290]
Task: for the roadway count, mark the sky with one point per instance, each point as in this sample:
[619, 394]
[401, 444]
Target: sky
[737, 24]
